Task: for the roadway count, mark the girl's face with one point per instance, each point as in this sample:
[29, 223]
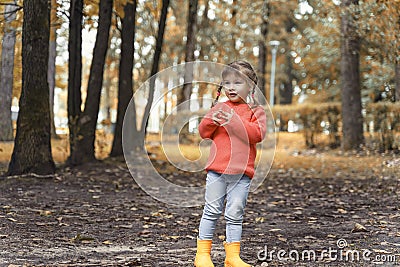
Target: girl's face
[236, 88]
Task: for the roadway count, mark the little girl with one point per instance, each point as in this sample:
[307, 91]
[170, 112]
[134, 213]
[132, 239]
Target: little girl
[235, 128]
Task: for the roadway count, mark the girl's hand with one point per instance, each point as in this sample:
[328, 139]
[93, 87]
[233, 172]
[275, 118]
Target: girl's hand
[221, 117]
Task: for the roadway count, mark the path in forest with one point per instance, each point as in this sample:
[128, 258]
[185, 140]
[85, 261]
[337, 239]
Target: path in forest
[96, 215]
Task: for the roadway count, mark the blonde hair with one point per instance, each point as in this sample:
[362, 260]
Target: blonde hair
[245, 69]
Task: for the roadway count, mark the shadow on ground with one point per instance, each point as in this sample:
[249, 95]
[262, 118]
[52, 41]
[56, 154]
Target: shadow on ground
[96, 215]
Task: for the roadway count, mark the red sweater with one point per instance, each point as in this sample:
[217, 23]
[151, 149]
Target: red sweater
[233, 150]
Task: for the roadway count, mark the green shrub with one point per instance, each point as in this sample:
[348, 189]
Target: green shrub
[383, 118]
[310, 117]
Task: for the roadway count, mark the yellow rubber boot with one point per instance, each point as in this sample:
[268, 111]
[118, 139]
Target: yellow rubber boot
[203, 258]
[232, 258]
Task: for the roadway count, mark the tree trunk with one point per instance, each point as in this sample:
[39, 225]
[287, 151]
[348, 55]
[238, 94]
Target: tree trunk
[233, 22]
[32, 149]
[125, 83]
[397, 81]
[286, 93]
[184, 97]
[88, 121]
[204, 25]
[51, 75]
[138, 143]
[262, 48]
[107, 85]
[7, 73]
[350, 73]
[74, 74]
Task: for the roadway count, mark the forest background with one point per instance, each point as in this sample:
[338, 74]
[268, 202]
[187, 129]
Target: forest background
[334, 60]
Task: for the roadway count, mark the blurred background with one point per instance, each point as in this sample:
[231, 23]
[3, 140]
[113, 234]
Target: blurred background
[310, 57]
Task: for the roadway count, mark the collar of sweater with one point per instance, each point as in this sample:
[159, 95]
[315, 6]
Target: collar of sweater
[238, 105]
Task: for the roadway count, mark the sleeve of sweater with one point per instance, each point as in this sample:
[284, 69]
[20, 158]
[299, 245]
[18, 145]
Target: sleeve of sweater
[254, 130]
[207, 126]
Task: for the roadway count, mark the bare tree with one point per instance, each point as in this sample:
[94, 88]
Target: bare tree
[184, 97]
[87, 122]
[51, 75]
[32, 149]
[262, 47]
[7, 73]
[286, 88]
[125, 82]
[138, 143]
[350, 73]
[74, 73]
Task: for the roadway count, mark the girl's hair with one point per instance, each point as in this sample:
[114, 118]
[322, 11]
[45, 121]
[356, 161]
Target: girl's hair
[245, 69]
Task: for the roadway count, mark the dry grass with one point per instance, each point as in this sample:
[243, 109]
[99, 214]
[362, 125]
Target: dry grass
[290, 154]
[60, 148]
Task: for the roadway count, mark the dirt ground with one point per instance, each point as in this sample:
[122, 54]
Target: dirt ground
[316, 208]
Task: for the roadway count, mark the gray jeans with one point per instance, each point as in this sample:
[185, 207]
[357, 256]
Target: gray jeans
[233, 188]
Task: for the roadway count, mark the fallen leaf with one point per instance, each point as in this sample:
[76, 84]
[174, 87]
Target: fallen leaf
[310, 237]
[358, 228]
[81, 238]
[45, 213]
[260, 219]
[126, 226]
[342, 211]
